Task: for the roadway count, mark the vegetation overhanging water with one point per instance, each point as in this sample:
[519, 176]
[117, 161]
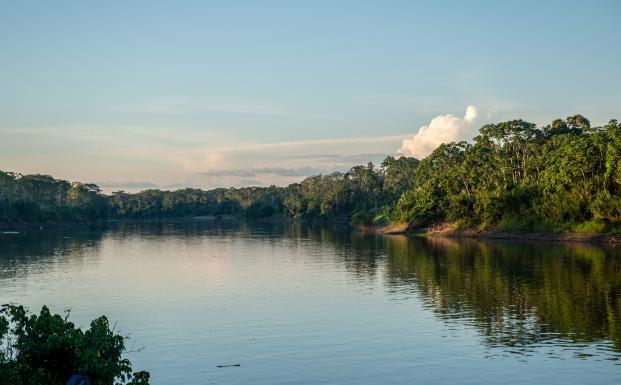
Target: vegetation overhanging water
[564, 177]
[275, 297]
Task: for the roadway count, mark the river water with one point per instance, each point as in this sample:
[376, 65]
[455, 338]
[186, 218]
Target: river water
[300, 304]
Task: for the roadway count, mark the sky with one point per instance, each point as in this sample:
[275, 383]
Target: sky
[170, 94]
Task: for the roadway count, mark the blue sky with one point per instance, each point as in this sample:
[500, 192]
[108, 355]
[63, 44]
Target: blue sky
[205, 93]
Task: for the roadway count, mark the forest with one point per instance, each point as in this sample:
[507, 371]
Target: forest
[565, 176]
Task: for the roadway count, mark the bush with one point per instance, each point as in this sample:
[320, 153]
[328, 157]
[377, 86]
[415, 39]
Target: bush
[48, 349]
[592, 226]
[361, 218]
[606, 206]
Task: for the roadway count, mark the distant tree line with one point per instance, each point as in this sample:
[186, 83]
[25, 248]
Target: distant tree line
[41, 198]
[514, 175]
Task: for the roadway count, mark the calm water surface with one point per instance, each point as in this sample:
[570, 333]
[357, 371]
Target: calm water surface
[300, 304]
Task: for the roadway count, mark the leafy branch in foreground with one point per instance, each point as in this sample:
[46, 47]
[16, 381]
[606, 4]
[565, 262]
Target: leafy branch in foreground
[46, 348]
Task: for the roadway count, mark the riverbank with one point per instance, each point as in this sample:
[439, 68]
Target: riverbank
[16, 226]
[449, 230]
[22, 227]
[443, 230]
[11, 228]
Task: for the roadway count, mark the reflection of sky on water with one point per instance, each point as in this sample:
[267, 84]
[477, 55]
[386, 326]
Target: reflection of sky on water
[311, 304]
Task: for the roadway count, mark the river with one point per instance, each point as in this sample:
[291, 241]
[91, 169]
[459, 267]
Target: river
[302, 304]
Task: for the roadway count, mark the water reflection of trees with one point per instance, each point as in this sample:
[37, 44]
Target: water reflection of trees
[37, 251]
[514, 293]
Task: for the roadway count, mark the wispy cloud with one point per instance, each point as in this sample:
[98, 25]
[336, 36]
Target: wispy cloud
[184, 106]
[329, 153]
[280, 171]
[378, 140]
[129, 185]
[282, 162]
[137, 157]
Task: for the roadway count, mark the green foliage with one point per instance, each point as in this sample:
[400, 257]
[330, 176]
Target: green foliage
[46, 348]
[362, 218]
[398, 176]
[514, 176]
[41, 198]
[592, 226]
[516, 294]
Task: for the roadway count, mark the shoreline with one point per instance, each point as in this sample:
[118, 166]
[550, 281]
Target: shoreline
[11, 228]
[449, 231]
[445, 230]
[22, 227]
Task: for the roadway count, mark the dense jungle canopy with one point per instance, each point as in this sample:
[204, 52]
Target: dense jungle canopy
[565, 176]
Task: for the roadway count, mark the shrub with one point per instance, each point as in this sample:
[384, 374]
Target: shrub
[48, 349]
[592, 226]
[362, 218]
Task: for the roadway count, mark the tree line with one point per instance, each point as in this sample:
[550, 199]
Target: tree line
[565, 176]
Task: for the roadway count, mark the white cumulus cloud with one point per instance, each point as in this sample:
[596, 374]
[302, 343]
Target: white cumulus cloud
[442, 129]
